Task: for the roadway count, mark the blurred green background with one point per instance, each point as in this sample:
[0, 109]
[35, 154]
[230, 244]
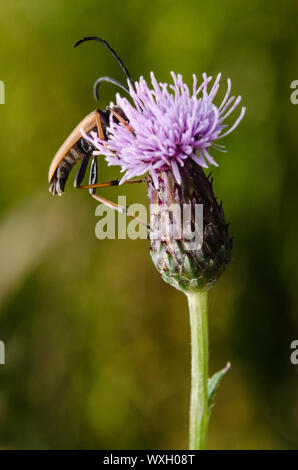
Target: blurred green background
[97, 346]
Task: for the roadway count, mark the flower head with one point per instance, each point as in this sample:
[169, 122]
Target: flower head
[168, 124]
[188, 268]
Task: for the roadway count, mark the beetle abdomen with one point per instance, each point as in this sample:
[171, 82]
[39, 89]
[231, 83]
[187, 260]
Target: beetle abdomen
[75, 154]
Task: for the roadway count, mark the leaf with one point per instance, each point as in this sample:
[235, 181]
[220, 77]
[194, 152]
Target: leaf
[214, 382]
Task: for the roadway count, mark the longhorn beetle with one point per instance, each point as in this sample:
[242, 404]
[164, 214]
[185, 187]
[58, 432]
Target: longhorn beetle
[76, 148]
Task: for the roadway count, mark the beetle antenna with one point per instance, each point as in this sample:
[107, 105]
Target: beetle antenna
[102, 41]
[109, 80]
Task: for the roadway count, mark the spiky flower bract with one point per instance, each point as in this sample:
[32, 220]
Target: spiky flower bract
[196, 269]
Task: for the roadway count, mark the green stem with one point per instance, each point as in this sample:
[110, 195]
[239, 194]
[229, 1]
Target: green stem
[199, 410]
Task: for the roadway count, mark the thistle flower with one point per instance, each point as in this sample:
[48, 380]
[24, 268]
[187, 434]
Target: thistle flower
[169, 134]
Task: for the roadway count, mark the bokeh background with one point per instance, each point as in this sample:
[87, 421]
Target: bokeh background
[97, 346]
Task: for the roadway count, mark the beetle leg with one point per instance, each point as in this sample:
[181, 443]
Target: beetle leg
[118, 208]
[106, 184]
[122, 121]
[110, 204]
[81, 171]
[93, 175]
[99, 126]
